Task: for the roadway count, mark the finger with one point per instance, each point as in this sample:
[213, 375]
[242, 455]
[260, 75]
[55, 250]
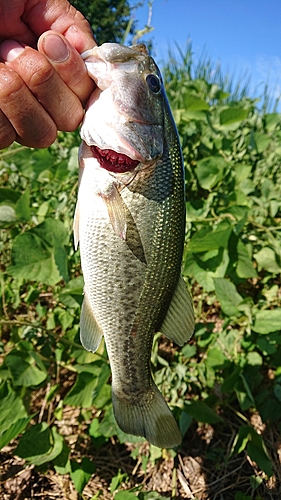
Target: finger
[44, 83]
[68, 63]
[7, 132]
[62, 17]
[32, 125]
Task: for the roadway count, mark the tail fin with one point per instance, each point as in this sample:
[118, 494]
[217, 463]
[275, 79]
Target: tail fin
[150, 418]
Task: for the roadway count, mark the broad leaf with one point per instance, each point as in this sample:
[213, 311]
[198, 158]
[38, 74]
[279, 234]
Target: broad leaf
[267, 321]
[228, 296]
[81, 473]
[40, 444]
[39, 254]
[24, 370]
[202, 412]
[11, 407]
[210, 171]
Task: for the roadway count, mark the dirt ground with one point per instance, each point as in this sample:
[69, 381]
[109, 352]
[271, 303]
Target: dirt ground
[202, 470]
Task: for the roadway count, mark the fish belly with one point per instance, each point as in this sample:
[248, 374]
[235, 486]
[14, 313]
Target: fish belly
[115, 274]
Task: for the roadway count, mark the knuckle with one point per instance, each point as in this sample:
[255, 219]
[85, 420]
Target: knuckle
[10, 84]
[40, 73]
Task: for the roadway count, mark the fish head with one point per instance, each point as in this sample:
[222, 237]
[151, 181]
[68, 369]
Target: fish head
[124, 120]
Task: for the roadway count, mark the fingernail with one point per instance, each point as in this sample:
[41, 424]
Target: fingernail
[10, 50]
[55, 48]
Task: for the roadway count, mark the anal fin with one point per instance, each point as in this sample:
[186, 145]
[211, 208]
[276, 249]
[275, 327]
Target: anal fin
[178, 324]
[90, 332]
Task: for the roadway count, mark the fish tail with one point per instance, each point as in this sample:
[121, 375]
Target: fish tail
[149, 417]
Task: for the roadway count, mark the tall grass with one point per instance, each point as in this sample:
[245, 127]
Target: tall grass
[184, 64]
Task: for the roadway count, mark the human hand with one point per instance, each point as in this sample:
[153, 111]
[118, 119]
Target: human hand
[41, 91]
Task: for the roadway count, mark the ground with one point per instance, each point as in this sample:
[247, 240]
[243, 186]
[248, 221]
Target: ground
[201, 470]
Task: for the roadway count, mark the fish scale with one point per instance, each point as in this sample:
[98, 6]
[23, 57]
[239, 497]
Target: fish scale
[130, 227]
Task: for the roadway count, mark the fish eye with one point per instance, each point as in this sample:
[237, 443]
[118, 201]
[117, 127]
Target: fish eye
[154, 83]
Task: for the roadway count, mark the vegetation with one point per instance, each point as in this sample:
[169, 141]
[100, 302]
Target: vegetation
[109, 19]
[224, 386]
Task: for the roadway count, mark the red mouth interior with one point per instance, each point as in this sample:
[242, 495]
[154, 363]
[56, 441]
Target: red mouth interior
[112, 161]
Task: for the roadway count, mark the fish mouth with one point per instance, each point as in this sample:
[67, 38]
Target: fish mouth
[112, 161]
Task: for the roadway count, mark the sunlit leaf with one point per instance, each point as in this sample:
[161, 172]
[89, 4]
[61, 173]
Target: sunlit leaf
[210, 171]
[267, 321]
[228, 296]
[267, 259]
[24, 370]
[231, 117]
[39, 253]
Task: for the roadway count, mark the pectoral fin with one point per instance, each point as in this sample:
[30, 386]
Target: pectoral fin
[178, 324]
[90, 332]
[116, 210]
[122, 221]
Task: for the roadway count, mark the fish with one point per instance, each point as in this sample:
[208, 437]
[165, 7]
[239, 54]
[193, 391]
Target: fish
[130, 224]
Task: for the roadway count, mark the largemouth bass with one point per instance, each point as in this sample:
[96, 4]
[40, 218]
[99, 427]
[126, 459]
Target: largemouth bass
[130, 222]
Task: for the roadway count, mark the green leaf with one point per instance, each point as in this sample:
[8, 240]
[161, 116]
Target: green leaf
[81, 473]
[81, 394]
[277, 391]
[189, 350]
[62, 462]
[254, 359]
[11, 407]
[7, 216]
[232, 117]
[266, 259]
[228, 296]
[242, 172]
[8, 200]
[202, 412]
[257, 452]
[40, 444]
[23, 206]
[241, 440]
[272, 120]
[24, 370]
[244, 267]
[125, 495]
[206, 239]
[262, 141]
[194, 103]
[72, 294]
[117, 480]
[9, 196]
[210, 171]
[185, 422]
[243, 393]
[267, 321]
[240, 495]
[39, 253]
[14, 430]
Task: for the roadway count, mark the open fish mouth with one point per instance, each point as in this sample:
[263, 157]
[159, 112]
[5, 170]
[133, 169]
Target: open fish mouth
[112, 161]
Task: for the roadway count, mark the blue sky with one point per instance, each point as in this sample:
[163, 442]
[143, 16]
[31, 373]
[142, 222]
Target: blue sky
[243, 35]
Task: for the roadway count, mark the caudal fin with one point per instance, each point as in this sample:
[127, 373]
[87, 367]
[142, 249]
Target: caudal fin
[150, 418]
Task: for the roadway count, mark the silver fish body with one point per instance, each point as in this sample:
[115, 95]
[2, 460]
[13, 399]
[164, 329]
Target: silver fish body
[130, 223]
